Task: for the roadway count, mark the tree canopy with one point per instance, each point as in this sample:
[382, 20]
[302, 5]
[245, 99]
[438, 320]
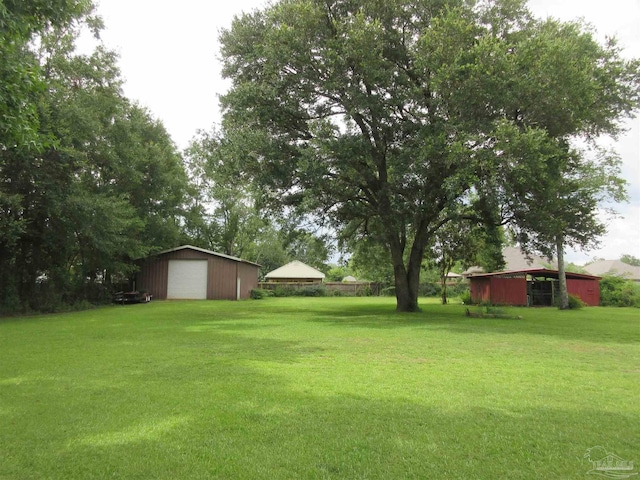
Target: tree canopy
[227, 214]
[390, 119]
[89, 181]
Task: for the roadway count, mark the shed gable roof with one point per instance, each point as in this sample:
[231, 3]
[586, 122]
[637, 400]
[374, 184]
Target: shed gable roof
[534, 272]
[295, 269]
[208, 252]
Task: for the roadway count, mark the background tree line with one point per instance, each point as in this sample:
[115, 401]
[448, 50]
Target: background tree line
[415, 131]
[90, 181]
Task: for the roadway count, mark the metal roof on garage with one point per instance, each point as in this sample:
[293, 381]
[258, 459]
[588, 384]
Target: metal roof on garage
[208, 252]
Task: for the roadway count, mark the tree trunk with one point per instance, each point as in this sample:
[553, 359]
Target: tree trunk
[407, 279]
[443, 289]
[562, 274]
[406, 294]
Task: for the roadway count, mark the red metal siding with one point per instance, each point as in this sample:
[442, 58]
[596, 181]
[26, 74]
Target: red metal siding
[511, 288]
[587, 290]
[480, 290]
[508, 291]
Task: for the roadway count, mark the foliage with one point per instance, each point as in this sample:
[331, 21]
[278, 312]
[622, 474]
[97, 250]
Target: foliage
[630, 260]
[466, 243]
[370, 260]
[575, 303]
[337, 272]
[561, 207]
[226, 215]
[593, 89]
[364, 292]
[306, 291]
[97, 184]
[21, 82]
[259, 294]
[387, 118]
[313, 291]
[465, 297]
[616, 291]
[572, 267]
[490, 309]
[284, 292]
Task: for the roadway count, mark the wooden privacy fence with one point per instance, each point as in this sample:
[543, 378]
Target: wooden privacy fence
[345, 288]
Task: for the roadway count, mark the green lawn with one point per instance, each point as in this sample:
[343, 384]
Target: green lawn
[340, 388]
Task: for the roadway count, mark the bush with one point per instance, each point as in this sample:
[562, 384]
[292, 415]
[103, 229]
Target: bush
[430, 289]
[364, 292]
[314, 291]
[458, 290]
[259, 293]
[283, 292]
[575, 302]
[619, 292]
[466, 297]
[492, 310]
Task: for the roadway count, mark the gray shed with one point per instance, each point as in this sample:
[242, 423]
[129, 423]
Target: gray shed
[189, 272]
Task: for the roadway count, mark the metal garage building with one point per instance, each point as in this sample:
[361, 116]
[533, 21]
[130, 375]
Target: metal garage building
[189, 272]
[534, 287]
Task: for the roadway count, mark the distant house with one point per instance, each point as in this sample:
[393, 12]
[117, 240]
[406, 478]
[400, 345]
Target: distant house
[453, 276]
[349, 279]
[614, 267]
[531, 287]
[295, 272]
[516, 259]
[189, 272]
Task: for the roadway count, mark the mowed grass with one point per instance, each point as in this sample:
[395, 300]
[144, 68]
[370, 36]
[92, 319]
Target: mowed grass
[316, 388]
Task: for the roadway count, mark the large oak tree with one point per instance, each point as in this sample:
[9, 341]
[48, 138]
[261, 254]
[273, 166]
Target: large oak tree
[384, 116]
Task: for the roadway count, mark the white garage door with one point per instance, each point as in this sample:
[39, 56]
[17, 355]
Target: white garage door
[187, 279]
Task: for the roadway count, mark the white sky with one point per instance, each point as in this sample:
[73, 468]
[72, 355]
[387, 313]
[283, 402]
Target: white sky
[169, 59]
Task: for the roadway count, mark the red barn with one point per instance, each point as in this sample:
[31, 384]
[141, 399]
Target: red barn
[532, 287]
[189, 272]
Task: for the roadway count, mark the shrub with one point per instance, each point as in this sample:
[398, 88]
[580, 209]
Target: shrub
[283, 292]
[465, 297]
[429, 289]
[618, 292]
[9, 300]
[313, 291]
[458, 290]
[490, 309]
[259, 293]
[364, 292]
[575, 302]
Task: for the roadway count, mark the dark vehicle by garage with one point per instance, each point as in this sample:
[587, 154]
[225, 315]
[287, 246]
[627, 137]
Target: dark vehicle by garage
[131, 297]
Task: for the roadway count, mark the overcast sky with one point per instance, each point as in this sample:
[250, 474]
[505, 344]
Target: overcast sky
[169, 59]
